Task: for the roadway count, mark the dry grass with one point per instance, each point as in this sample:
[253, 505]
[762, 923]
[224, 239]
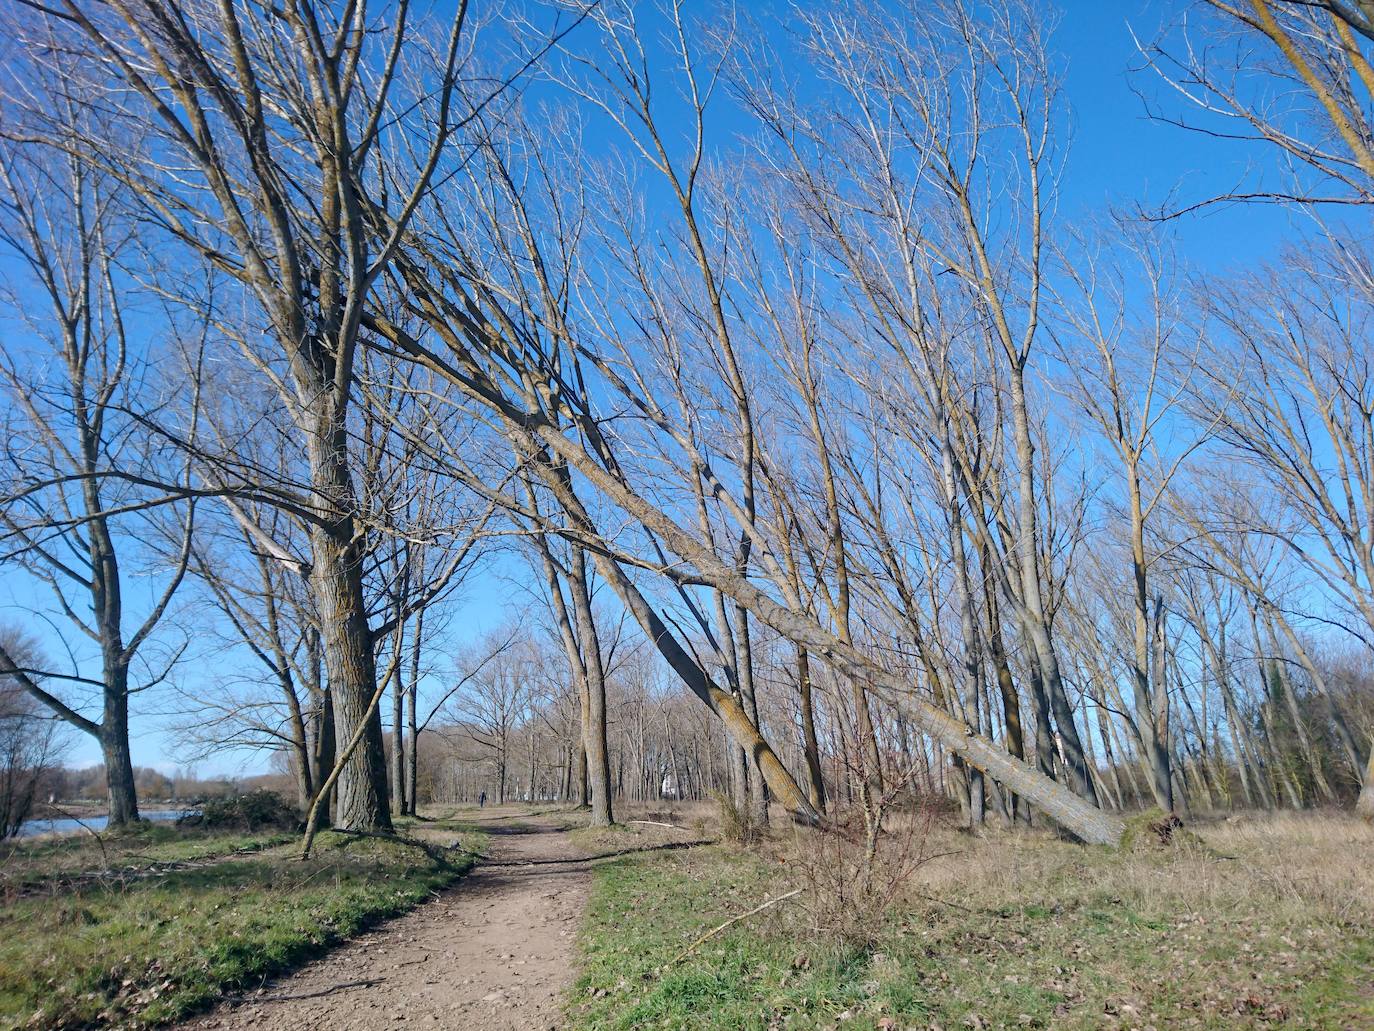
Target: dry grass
[1268, 922]
[1317, 862]
[645, 825]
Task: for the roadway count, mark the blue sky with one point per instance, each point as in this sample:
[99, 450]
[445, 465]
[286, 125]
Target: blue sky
[1120, 157]
[1117, 157]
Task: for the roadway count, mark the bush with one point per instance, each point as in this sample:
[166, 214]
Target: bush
[248, 812]
[853, 878]
[737, 826]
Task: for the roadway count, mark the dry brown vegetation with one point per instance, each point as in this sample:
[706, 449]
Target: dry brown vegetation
[1267, 921]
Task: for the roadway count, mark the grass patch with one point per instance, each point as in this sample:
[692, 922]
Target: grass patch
[137, 952]
[51, 861]
[1027, 932]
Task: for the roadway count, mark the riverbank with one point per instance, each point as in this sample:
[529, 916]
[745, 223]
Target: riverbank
[40, 827]
[86, 809]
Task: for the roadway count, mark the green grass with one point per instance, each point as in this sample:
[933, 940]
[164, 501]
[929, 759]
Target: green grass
[138, 952]
[147, 845]
[1027, 933]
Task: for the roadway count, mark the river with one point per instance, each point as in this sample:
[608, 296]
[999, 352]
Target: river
[67, 825]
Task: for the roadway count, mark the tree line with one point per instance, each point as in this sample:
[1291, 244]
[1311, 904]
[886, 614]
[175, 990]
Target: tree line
[764, 352]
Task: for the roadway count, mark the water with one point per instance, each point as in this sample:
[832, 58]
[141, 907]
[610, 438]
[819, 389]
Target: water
[32, 828]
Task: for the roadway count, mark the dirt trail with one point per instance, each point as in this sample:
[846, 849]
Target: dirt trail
[494, 952]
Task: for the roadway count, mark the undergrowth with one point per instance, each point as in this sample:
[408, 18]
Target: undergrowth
[1271, 926]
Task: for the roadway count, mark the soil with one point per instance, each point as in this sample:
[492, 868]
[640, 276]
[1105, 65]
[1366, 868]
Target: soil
[493, 952]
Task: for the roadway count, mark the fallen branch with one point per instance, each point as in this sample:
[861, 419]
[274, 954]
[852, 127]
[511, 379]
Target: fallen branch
[655, 823]
[666, 847]
[729, 923]
[315, 995]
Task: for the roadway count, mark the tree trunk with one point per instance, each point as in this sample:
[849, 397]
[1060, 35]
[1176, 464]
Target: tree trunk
[325, 749]
[584, 787]
[815, 779]
[744, 669]
[1006, 687]
[1364, 807]
[360, 791]
[398, 738]
[594, 719]
[336, 582]
[1032, 604]
[533, 769]
[114, 746]
[1105, 733]
[1154, 721]
[412, 719]
[971, 665]
[301, 765]
[1044, 730]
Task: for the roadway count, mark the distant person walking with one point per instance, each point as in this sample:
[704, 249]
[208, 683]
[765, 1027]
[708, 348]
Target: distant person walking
[482, 800]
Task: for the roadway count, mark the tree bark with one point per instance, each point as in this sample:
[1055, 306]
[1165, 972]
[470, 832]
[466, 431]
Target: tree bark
[1006, 687]
[398, 740]
[594, 724]
[1032, 603]
[412, 718]
[1364, 806]
[336, 578]
[971, 666]
[815, 779]
[744, 670]
[114, 746]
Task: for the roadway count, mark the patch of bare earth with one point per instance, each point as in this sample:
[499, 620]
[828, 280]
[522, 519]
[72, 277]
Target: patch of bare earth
[495, 951]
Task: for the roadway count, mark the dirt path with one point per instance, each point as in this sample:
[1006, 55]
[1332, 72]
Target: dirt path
[493, 952]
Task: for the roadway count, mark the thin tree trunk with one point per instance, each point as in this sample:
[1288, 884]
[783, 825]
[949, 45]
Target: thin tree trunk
[398, 745]
[412, 717]
[1104, 732]
[744, 668]
[594, 725]
[971, 666]
[815, 779]
[1032, 604]
[1006, 687]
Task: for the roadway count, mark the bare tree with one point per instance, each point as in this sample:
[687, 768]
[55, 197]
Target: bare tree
[84, 472]
[285, 116]
[501, 362]
[1297, 76]
[29, 742]
[1131, 372]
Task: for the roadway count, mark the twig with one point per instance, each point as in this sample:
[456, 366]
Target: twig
[733, 920]
[655, 823]
[670, 846]
[953, 905]
[323, 991]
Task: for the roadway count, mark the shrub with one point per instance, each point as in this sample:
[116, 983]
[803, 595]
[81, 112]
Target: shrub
[852, 878]
[736, 825]
[248, 812]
